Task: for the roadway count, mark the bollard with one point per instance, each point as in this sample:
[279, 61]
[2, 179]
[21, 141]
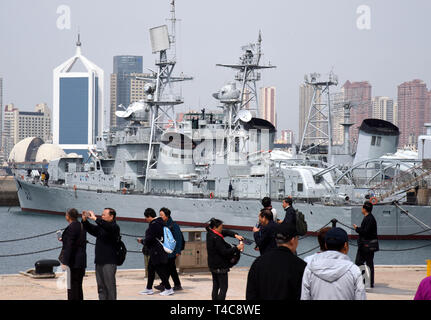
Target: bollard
[428, 268]
[334, 223]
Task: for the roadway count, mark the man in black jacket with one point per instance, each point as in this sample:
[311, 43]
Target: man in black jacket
[74, 254]
[265, 235]
[158, 257]
[367, 231]
[290, 217]
[107, 233]
[277, 275]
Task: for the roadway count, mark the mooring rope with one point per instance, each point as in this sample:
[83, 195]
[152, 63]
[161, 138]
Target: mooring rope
[246, 254]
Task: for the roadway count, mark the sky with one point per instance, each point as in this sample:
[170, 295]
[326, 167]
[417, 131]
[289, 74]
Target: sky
[387, 44]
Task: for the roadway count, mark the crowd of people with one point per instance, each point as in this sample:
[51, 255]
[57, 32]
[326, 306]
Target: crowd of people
[277, 274]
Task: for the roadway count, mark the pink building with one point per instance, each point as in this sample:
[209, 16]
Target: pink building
[413, 110]
[359, 93]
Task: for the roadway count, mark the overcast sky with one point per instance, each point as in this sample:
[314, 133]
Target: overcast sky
[299, 37]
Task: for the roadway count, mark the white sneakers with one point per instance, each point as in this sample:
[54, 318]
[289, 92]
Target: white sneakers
[147, 292]
[167, 292]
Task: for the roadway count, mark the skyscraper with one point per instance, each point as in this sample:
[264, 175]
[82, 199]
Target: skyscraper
[306, 93]
[359, 93]
[413, 111]
[337, 110]
[1, 110]
[383, 108]
[78, 115]
[267, 105]
[9, 129]
[287, 136]
[125, 88]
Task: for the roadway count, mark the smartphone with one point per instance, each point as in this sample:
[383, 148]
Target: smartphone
[59, 233]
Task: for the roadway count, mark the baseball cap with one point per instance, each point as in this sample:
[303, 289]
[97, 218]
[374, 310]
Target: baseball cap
[336, 236]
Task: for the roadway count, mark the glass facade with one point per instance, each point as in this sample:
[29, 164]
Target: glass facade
[96, 111]
[128, 64]
[123, 67]
[73, 111]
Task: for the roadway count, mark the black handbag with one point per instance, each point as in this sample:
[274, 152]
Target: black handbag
[234, 259]
[370, 245]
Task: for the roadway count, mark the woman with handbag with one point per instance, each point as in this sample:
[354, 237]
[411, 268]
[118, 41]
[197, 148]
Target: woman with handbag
[220, 256]
[73, 256]
[367, 241]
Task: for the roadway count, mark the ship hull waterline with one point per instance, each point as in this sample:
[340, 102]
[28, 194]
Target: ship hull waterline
[238, 215]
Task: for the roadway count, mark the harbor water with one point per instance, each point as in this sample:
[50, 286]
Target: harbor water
[15, 224]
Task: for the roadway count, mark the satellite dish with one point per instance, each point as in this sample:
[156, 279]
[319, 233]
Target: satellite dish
[135, 106]
[244, 115]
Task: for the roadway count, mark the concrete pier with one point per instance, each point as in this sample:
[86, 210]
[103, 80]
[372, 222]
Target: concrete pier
[392, 283]
[8, 192]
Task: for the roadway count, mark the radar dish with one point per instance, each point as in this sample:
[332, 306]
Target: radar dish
[244, 115]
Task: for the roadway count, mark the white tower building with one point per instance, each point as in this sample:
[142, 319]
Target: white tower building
[78, 115]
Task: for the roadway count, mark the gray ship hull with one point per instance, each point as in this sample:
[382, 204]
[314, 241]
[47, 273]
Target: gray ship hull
[240, 215]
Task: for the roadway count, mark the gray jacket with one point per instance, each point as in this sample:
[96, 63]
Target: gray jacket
[331, 275]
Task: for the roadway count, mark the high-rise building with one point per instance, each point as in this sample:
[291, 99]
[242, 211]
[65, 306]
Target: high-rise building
[19, 125]
[287, 136]
[78, 115]
[412, 111]
[306, 93]
[359, 94]
[1, 110]
[125, 87]
[10, 134]
[35, 124]
[127, 64]
[396, 113]
[267, 105]
[337, 117]
[383, 108]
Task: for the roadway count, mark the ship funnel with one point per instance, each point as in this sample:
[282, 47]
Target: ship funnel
[376, 138]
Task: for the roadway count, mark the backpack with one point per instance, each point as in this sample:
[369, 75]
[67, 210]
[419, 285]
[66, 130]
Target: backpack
[301, 224]
[168, 242]
[184, 242]
[120, 251]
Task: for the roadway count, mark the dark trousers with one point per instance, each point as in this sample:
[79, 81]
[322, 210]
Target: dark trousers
[368, 258]
[172, 272]
[162, 271]
[76, 276]
[106, 283]
[220, 285]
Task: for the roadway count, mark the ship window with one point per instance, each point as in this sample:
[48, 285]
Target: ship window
[300, 187]
[373, 140]
[379, 139]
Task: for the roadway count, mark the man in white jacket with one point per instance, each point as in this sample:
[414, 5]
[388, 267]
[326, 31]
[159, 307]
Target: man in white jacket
[331, 275]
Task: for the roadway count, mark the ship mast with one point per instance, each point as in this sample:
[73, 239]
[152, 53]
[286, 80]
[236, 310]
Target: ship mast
[247, 74]
[318, 128]
[162, 104]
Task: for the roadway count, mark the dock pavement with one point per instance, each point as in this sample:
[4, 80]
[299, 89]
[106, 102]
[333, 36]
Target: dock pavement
[391, 283]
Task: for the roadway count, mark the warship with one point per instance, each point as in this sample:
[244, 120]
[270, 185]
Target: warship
[222, 163]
